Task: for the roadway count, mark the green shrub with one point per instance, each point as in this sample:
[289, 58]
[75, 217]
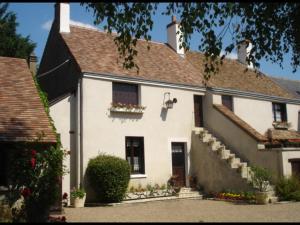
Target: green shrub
[260, 178]
[288, 189]
[109, 177]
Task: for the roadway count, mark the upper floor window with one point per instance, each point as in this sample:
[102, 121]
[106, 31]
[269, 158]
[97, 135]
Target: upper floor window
[125, 93]
[135, 154]
[227, 101]
[279, 112]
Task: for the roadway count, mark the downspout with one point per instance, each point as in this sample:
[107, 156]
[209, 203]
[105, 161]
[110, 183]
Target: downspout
[81, 133]
[78, 139]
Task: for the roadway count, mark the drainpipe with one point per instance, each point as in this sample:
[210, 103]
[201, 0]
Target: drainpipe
[78, 138]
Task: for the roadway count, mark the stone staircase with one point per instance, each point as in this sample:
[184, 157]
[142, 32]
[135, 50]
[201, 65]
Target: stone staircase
[234, 162]
[188, 193]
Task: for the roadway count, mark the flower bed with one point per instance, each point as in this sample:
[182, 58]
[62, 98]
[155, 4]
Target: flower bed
[149, 192]
[248, 197]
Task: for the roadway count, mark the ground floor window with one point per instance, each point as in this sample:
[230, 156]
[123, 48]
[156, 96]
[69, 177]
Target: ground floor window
[135, 154]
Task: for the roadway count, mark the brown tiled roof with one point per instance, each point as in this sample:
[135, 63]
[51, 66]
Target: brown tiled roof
[239, 122]
[280, 135]
[232, 75]
[96, 52]
[22, 114]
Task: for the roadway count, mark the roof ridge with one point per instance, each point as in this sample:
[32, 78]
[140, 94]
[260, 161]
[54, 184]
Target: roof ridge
[113, 32]
[283, 78]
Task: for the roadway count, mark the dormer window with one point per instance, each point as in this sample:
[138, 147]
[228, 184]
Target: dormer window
[125, 93]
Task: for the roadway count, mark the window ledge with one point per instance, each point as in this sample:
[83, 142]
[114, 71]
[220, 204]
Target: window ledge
[133, 176]
[125, 110]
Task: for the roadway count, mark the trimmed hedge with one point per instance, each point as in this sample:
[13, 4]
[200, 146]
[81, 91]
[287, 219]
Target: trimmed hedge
[109, 177]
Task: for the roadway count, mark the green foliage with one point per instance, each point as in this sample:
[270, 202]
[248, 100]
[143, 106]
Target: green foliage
[109, 177]
[11, 43]
[212, 21]
[260, 178]
[288, 189]
[77, 193]
[35, 173]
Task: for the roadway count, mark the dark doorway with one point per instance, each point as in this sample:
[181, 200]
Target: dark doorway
[178, 163]
[198, 111]
[295, 167]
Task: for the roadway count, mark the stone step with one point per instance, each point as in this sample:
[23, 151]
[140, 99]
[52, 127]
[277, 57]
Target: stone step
[225, 154]
[192, 194]
[198, 130]
[215, 145]
[185, 189]
[206, 138]
[235, 162]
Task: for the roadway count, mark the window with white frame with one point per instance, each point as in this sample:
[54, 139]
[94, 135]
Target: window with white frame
[135, 154]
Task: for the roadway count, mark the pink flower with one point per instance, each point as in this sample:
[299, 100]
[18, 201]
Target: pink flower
[33, 153]
[32, 162]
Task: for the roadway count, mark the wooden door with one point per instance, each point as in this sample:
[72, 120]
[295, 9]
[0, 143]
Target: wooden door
[178, 164]
[198, 111]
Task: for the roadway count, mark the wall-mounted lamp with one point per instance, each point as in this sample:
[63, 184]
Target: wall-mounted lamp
[168, 103]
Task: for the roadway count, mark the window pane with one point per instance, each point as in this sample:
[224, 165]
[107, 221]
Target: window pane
[125, 93]
[227, 101]
[135, 154]
[279, 112]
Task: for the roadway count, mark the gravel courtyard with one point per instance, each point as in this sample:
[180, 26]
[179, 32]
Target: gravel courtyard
[186, 210]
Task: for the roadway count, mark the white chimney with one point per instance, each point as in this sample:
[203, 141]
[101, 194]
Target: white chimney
[62, 17]
[173, 37]
[243, 51]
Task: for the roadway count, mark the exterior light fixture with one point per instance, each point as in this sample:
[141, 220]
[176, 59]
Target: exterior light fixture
[169, 103]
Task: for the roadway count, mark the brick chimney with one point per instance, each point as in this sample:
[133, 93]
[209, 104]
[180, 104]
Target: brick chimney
[32, 60]
[62, 17]
[173, 37]
[243, 51]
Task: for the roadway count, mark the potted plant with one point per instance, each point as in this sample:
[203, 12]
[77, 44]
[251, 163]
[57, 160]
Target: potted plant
[78, 197]
[261, 180]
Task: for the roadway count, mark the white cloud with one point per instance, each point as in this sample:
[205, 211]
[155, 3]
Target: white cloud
[47, 25]
[232, 55]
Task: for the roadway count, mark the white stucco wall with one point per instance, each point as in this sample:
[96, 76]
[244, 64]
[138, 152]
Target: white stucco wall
[104, 131]
[286, 155]
[258, 113]
[292, 115]
[61, 115]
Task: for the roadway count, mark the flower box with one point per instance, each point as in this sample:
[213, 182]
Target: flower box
[281, 125]
[126, 108]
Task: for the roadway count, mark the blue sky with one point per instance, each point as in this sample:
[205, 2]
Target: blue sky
[35, 20]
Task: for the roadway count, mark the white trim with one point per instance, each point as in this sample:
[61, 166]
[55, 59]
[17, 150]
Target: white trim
[112, 77]
[137, 176]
